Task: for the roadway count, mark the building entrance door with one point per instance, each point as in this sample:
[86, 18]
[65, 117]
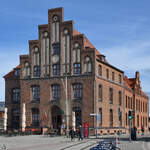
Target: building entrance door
[56, 117]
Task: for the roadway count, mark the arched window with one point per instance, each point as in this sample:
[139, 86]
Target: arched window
[45, 52]
[100, 70]
[77, 90]
[26, 70]
[66, 51]
[55, 29]
[36, 56]
[88, 65]
[36, 63]
[76, 59]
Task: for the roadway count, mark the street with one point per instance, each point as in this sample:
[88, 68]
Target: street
[43, 142]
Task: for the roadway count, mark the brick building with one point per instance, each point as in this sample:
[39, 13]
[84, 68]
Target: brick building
[2, 107]
[65, 73]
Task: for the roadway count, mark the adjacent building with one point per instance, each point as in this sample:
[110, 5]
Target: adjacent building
[2, 109]
[65, 73]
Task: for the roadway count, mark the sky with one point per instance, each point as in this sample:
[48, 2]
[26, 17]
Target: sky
[119, 29]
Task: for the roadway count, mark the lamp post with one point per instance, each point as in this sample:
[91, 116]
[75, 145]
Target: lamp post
[66, 100]
[5, 119]
[23, 117]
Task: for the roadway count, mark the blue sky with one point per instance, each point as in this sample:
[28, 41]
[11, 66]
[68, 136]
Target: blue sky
[120, 29]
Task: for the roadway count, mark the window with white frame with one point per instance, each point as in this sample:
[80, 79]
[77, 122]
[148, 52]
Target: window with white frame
[36, 93]
[56, 92]
[77, 90]
[16, 95]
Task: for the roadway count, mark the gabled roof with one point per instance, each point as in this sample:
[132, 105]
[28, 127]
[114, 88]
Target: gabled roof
[11, 73]
[130, 83]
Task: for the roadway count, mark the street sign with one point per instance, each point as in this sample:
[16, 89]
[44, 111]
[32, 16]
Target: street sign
[98, 117]
[93, 114]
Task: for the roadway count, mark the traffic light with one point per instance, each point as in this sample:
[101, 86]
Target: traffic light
[130, 114]
[133, 114]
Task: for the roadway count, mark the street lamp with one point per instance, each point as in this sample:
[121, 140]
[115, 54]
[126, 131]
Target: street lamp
[66, 100]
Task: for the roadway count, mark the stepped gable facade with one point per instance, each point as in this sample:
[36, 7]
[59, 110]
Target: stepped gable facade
[65, 73]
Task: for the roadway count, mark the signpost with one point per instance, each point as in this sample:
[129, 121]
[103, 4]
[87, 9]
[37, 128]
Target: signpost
[130, 118]
[97, 118]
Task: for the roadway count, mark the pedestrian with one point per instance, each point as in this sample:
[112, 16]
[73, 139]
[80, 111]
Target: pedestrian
[80, 133]
[72, 133]
[142, 129]
[134, 133]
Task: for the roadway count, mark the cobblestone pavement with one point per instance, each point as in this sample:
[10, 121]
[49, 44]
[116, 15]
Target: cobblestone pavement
[40, 142]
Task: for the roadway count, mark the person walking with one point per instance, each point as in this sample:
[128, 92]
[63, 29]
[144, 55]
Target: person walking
[142, 129]
[71, 133]
[80, 133]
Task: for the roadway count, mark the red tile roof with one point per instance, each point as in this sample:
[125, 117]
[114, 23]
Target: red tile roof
[87, 43]
[75, 32]
[130, 81]
[11, 73]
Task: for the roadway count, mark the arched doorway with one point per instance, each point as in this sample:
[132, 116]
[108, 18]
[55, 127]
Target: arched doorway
[56, 117]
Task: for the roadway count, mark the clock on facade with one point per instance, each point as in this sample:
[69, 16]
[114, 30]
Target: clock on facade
[55, 59]
[55, 18]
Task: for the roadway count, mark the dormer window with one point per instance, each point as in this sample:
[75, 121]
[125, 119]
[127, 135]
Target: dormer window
[102, 58]
[17, 72]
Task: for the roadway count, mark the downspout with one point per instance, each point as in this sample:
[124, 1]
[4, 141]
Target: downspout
[95, 92]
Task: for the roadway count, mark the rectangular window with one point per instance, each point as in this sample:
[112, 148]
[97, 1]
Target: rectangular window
[36, 93]
[36, 71]
[136, 105]
[111, 118]
[120, 118]
[56, 49]
[77, 91]
[56, 92]
[100, 113]
[113, 76]
[16, 95]
[120, 80]
[126, 101]
[35, 117]
[120, 97]
[138, 121]
[100, 92]
[100, 70]
[56, 69]
[107, 73]
[111, 95]
[126, 119]
[77, 68]
[17, 72]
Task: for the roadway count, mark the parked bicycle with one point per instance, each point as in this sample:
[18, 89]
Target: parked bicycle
[106, 145]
